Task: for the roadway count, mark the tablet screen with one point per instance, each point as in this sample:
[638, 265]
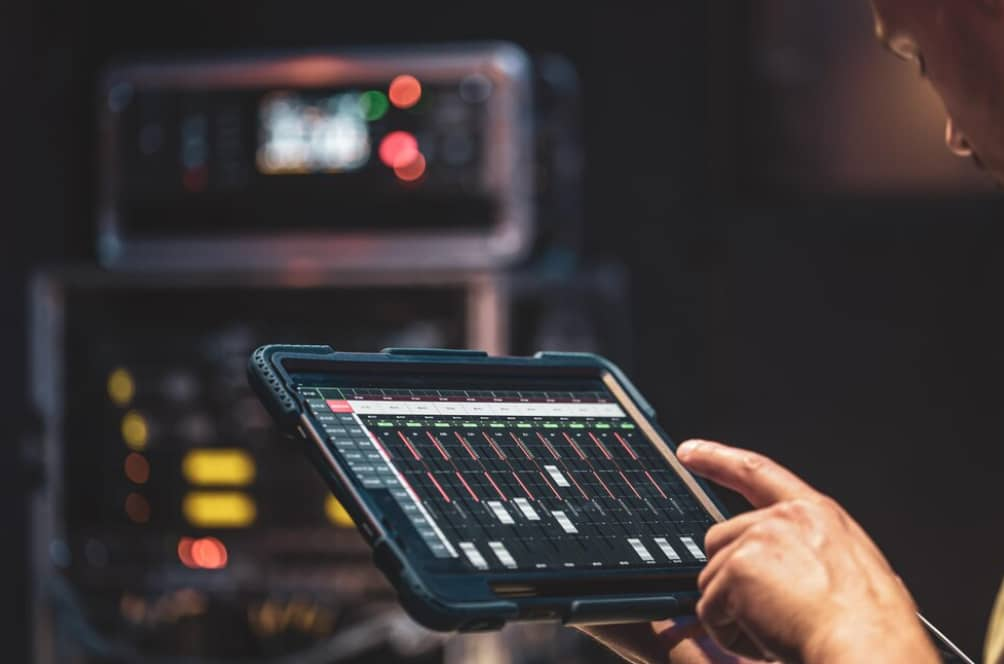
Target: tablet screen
[508, 474]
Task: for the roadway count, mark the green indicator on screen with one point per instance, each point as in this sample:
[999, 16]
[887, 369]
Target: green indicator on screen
[524, 425]
[576, 425]
[413, 424]
[385, 424]
[550, 425]
[442, 425]
[373, 105]
[469, 425]
[601, 425]
[627, 425]
[497, 425]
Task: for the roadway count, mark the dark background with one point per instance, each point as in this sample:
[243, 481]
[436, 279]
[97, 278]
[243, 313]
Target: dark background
[851, 331]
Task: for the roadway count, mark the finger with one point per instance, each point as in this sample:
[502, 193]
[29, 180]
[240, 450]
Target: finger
[722, 534]
[715, 612]
[759, 480]
[716, 563]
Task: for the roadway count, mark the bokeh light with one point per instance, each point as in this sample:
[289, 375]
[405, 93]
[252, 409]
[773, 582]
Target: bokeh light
[373, 105]
[121, 387]
[137, 468]
[209, 553]
[137, 508]
[411, 170]
[398, 148]
[405, 91]
[134, 431]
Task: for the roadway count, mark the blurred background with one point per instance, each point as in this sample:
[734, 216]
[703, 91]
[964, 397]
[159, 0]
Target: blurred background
[747, 205]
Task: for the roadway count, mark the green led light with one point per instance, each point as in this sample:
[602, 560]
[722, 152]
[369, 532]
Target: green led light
[576, 425]
[497, 425]
[524, 425]
[373, 105]
[442, 425]
[469, 425]
[413, 424]
[385, 424]
[550, 425]
[627, 425]
[601, 425]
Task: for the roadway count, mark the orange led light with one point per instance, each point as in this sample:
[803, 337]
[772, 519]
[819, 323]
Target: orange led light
[405, 91]
[202, 553]
[209, 553]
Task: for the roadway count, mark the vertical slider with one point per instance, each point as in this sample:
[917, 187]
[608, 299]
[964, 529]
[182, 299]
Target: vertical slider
[694, 550]
[640, 549]
[670, 552]
[503, 554]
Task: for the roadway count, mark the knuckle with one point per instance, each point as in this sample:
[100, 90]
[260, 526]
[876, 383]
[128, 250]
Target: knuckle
[744, 562]
[754, 462]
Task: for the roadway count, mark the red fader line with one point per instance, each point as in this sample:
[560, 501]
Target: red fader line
[603, 448]
[633, 490]
[441, 492]
[626, 447]
[657, 487]
[466, 486]
[411, 448]
[528, 494]
[519, 442]
[497, 489]
[439, 447]
[494, 446]
[574, 446]
[467, 446]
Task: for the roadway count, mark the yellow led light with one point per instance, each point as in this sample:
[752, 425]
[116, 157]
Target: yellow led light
[121, 387]
[134, 431]
[219, 509]
[218, 467]
[336, 513]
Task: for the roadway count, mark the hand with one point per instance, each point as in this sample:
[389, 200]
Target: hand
[679, 641]
[797, 579]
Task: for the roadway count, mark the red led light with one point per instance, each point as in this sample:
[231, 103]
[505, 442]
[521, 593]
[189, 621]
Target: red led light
[209, 553]
[202, 553]
[397, 148]
[412, 170]
[405, 91]
[185, 552]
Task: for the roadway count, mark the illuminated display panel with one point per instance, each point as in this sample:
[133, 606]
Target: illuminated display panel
[515, 479]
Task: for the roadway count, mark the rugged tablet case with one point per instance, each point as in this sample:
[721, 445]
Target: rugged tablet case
[268, 379]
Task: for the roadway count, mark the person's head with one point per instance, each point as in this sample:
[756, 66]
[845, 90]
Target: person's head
[959, 46]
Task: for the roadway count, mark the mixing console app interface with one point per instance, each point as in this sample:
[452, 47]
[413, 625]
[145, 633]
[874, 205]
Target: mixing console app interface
[517, 480]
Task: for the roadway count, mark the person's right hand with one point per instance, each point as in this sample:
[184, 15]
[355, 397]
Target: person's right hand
[797, 579]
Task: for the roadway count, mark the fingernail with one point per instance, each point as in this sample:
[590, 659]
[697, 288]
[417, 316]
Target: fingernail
[687, 448]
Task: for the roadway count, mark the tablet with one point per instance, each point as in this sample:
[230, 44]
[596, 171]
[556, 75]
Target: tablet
[499, 489]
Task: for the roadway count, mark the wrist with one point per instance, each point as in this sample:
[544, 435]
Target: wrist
[878, 641]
